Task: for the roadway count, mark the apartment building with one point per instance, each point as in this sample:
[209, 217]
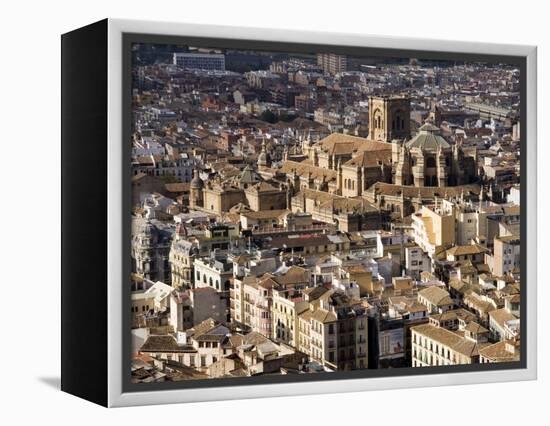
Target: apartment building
[334, 332]
[435, 346]
[436, 299]
[507, 255]
[434, 228]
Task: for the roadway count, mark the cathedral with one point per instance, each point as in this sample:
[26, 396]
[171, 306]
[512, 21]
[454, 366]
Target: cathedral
[429, 160]
[390, 155]
[388, 164]
[382, 167]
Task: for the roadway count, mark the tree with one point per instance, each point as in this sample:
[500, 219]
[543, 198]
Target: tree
[269, 116]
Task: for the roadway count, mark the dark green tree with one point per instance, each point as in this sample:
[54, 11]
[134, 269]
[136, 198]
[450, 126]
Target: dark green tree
[269, 116]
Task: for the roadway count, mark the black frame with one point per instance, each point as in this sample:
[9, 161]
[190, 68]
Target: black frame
[225, 43]
[84, 143]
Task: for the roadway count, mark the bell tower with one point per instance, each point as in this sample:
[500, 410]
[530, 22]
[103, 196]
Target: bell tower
[389, 118]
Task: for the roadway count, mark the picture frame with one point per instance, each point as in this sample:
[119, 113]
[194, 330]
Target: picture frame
[96, 179]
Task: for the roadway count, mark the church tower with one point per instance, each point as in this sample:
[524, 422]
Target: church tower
[196, 191]
[389, 118]
[262, 158]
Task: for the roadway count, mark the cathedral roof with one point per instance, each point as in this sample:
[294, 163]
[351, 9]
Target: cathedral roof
[394, 190]
[337, 203]
[370, 159]
[341, 144]
[303, 169]
[262, 187]
[428, 138]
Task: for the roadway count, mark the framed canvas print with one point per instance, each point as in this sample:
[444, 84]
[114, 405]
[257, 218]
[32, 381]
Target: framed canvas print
[252, 213]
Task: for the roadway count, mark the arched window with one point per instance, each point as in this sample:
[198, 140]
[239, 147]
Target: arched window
[210, 282]
[377, 119]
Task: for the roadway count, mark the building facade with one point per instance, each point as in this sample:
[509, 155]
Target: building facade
[200, 61]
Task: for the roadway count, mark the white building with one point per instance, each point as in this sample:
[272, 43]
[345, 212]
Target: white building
[212, 272]
[515, 195]
[436, 346]
[200, 61]
[416, 261]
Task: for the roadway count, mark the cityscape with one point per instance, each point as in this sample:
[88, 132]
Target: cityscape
[309, 213]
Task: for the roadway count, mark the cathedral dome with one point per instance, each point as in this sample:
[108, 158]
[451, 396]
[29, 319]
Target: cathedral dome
[429, 139]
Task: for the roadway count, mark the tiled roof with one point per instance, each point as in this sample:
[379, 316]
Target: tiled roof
[448, 338]
[370, 159]
[428, 138]
[164, 343]
[303, 169]
[436, 296]
[341, 144]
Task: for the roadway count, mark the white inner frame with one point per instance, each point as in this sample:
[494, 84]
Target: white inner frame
[116, 397]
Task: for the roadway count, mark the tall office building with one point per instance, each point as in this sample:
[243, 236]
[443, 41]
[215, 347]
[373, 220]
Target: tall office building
[332, 63]
[200, 61]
